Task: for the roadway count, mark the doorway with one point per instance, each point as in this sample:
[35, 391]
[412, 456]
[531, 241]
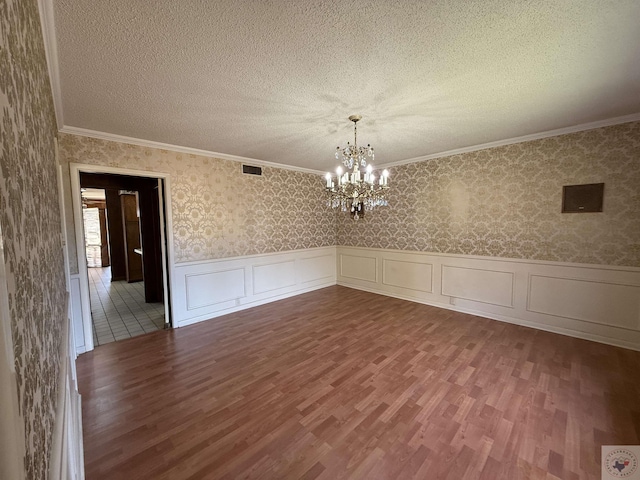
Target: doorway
[122, 253]
[121, 306]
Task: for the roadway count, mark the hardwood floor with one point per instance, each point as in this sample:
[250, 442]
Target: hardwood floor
[340, 383]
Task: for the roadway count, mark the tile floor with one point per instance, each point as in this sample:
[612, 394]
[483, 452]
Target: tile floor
[118, 308]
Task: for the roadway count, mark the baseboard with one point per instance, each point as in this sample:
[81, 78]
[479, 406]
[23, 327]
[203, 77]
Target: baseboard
[503, 318]
[257, 303]
[205, 290]
[599, 303]
[66, 461]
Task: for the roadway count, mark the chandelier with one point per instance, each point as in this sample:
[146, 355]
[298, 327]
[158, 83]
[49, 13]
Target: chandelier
[357, 189]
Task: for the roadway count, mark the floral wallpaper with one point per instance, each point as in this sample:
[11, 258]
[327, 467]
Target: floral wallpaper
[217, 211]
[506, 202]
[30, 220]
[499, 202]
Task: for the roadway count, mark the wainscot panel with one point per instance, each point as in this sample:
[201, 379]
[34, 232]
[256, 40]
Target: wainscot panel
[67, 454]
[486, 286]
[273, 276]
[321, 267]
[599, 303]
[359, 267]
[228, 285]
[411, 275]
[590, 301]
[77, 318]
[204, 290]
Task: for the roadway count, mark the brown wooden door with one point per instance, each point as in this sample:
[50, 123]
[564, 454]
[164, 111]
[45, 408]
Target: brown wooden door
[147, 197]
[131, 227]
[104, 238]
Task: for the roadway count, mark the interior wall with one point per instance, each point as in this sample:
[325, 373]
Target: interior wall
[29, 213]
[506, 201]
[218, 212]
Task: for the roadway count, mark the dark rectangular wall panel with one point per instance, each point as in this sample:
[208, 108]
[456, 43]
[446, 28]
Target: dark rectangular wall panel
[582, 198]
[251, 170]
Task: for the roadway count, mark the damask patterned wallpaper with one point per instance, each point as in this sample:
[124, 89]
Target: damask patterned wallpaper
[500, 202]
[30, 220]
[218, 211]
[506, 202]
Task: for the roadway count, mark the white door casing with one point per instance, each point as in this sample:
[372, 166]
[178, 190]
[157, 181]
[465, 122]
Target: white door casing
[82, 304]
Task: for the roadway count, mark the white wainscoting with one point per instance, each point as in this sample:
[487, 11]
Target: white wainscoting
[203, 290]
[486, 286]
[228, 285]
[593, 302]
[67, 452]
[587, 300]
[409, 275]
[358, 267]
[77, 318]
[270, 277]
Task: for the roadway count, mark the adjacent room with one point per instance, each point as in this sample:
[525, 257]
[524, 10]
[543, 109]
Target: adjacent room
[320, 240]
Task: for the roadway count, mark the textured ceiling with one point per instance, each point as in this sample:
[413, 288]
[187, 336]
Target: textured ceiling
[276, 80]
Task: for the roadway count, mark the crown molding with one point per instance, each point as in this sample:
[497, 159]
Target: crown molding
[525, 138]
[83, 132]
[45, 8]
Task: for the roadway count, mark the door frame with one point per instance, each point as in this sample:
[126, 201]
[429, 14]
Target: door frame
[166, 241]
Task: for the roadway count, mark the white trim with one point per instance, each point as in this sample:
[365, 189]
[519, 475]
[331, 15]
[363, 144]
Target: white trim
[81, 254]
[74, 172]
[208, 261]
[255, 303]
[57, 453]
[289, 273]
[592, 266]
[617, 328]
[75, 313]
[163, 249]
[47, 23]
[83, 132]
[525, 138]
[63, 226]
[502, 318]
[67, 453]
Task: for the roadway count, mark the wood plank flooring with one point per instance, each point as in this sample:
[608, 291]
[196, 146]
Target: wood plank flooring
[343, 384]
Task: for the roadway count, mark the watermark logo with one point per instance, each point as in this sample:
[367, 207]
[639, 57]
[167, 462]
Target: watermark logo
[620, 461]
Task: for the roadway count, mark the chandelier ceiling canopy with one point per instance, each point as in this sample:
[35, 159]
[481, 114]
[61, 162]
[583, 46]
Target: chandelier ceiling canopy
[357, 189]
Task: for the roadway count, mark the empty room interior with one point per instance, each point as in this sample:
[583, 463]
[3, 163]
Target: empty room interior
[320, 240]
